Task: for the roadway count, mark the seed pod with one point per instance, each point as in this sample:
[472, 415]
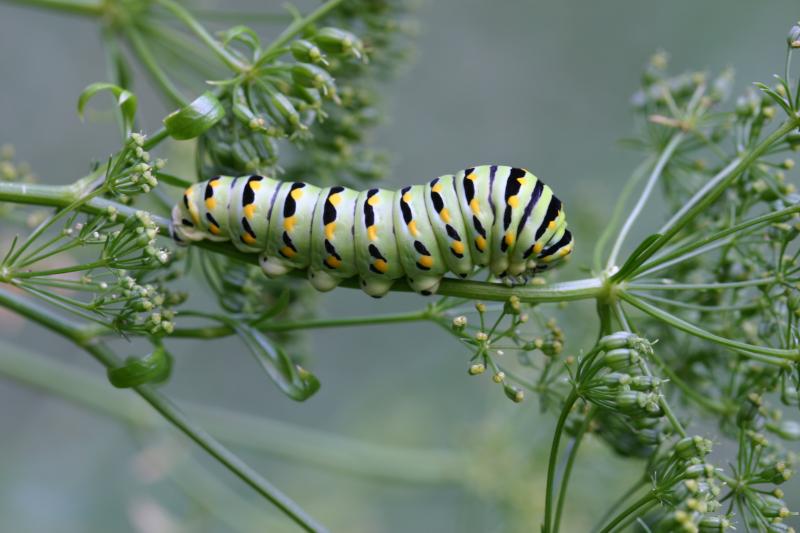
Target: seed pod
[699, 470]
[690, 447]
[620, 339]
[307, 52]
[515, 394]
[777, 473]
[645, 383]
[793, 40]
[621, 359]
[339, 42]
[286, 109]
[772, 507]
[308, 75]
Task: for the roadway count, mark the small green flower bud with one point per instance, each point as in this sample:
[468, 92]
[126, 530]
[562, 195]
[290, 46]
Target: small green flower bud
[616, 379]
[286, 109]
[777, 473]
[480, 307]
[779, 527]
[512, 306]
[515, 394]
[481, 336]
[499, 377]
[459, 323]
[476, 369]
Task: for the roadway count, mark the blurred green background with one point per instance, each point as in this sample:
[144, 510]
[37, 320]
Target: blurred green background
[544, 85]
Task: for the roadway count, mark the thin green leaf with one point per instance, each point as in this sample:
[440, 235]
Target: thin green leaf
[780, 100]
[170, 179]
[295, 381]
[244, 35]
[194, 119]
[632, 262]
[126, 101]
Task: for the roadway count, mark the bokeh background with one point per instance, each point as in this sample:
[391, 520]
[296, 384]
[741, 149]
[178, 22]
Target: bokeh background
[542, 84]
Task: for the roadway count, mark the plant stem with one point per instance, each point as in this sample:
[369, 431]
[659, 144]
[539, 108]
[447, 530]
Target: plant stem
[199, 30]
[62, 196]
[551, 465]
[318, 323]
[149, 62]
[78, 335]
[300, 24]
[84, 9]
[655, 312]
[709, 193]
[662, 161]
[647, 498]
[565, 477]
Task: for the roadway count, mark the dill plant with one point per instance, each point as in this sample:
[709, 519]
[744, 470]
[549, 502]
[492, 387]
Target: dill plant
[697, 323]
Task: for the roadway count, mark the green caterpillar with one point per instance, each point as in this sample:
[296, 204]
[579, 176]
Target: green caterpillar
[499, 216]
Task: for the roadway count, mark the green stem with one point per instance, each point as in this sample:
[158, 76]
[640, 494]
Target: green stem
[635, 506]
[662, 161]
[708, 194]
[573, 453]
[78, 335]
[551, 465]
[650, 267]
[619, 209]
[655, 312]
[319, 323]
[61, 196]
[714, 286]
[182, 14]
[300, 24]
[84, 9]
[149, 62]
[618, 503]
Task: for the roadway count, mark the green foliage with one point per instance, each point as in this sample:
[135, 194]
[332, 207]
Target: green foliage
[716, 286]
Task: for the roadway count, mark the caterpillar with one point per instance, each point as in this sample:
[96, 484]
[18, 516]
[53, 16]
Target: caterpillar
[497, 216]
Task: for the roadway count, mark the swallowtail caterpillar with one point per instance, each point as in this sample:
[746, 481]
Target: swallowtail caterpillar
[496, 216]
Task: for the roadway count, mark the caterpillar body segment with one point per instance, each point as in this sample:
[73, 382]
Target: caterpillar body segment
[491, 216]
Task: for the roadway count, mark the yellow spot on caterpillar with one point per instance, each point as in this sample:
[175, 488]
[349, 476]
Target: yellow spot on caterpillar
[445, 215]
[457, 246]
[255, 185]
[565, 250]
[249, 210]
[289, 223]
[332, 262]
[287, 252]
[297, 194]
[475, 206]
[335, 199]
[437, 188]
[214, 183]
[407, 197]
[551, 225]
[374, 200]
[329, 229]
[480, 243]
[211, 203]
[426, 261]
[372, 233]
[537, 247]
[509, 238]
[521, 181]
[248, 239]
[412, 228]
[381, 266]
[513, 201]
[213, 228]
[472, 177]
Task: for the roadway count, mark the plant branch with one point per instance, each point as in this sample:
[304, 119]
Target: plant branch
[84, 9]
[77, 334]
